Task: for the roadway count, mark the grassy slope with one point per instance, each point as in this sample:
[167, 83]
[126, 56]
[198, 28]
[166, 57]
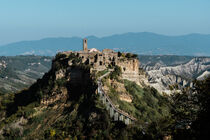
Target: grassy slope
[147, 105]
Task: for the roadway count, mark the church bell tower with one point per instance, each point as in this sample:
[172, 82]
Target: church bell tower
[85, 48]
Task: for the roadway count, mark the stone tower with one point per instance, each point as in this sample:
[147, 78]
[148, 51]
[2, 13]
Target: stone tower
[85, 48]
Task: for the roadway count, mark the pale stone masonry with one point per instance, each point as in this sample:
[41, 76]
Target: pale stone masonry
[101, 60]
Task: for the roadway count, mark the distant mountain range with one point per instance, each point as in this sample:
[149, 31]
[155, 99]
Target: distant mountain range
[139, 43]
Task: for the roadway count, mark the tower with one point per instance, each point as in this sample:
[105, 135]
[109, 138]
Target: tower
[85, 48]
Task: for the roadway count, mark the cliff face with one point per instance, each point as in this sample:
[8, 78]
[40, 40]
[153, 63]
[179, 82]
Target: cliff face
[73, 77]
[64, 94]
[132, 72]
[130, 69]
[162, 77]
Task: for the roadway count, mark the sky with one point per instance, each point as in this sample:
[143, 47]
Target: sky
[36, 19]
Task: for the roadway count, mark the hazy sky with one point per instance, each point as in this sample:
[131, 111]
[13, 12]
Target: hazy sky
[36, 19]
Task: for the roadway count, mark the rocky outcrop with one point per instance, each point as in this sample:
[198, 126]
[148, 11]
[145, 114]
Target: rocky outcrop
[204, 75]
[182, 75]
[120, 90]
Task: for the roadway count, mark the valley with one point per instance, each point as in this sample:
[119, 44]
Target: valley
[19, 72]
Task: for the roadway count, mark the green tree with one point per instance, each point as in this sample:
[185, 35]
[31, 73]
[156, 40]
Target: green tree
[201, 126]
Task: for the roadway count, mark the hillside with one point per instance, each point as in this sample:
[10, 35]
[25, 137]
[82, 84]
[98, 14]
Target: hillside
[156, 61]
[139, 43]
[65, 104]
[20, 72]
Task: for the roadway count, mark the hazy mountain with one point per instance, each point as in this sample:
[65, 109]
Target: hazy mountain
[140, 43]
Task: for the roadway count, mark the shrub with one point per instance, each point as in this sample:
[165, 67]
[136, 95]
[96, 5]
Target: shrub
[119, 54]
[116, 73]
[130, 55]
[60, 55]
[61, 82]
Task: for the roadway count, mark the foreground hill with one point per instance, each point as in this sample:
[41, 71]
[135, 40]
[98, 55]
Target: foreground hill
[140, 43]
[64, 104]
[20, 72]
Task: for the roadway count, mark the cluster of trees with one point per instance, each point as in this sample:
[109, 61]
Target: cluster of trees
[201, 126]
[190, 114]
[127, 55]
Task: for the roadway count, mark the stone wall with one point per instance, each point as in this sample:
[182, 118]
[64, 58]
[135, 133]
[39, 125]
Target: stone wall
[99, 60]
[130, 69]
[103, 60]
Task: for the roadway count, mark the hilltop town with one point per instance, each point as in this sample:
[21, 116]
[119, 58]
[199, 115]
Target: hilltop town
[85, 92]
[107, 59]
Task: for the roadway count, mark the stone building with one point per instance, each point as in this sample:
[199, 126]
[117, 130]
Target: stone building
[101, 60]
[85, 48]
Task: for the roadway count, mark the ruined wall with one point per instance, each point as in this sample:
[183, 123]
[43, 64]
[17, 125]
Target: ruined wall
[130, 69]
[102, 60]
[98, 60]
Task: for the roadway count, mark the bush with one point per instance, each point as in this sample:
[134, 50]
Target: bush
[116, 73]
[59, 56]
[61, 82]
[119, 54]
[130, 55]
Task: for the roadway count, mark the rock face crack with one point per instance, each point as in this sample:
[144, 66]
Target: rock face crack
[117, 114]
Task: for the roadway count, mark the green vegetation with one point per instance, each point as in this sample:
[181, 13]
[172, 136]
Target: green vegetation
[201, 126]
[119, 54]
[130, 55]
[116, 73]
[189, 114]
[147, 105]
[60, 56]
[127, 55]
[81, 115]
[100, 73]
